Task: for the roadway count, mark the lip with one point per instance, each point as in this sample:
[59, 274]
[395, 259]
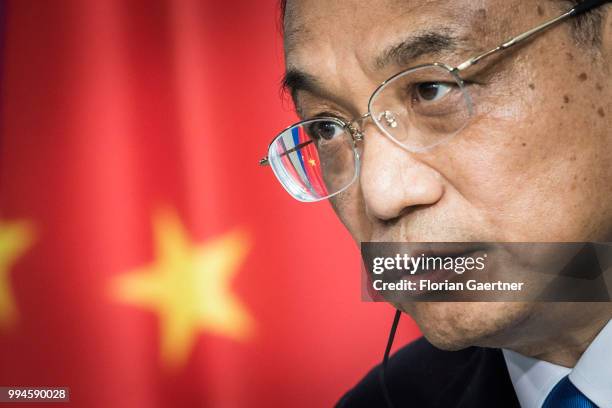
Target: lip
[436, 274]
[444, 249]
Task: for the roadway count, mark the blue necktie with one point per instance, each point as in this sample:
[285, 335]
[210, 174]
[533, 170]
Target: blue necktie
[566, 395]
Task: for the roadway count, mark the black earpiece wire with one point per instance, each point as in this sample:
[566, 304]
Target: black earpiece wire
[383, 367]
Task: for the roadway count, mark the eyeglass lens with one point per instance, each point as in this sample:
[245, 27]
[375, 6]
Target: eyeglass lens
[314, 159]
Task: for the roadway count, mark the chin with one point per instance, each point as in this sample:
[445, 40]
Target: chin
[457, 325]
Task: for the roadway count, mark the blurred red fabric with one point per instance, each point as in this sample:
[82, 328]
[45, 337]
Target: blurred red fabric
[113, 109]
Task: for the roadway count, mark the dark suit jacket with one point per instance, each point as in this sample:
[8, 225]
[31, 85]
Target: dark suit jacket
[420, 375]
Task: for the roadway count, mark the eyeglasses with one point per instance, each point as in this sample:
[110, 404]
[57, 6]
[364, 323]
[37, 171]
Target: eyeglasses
[418, 108]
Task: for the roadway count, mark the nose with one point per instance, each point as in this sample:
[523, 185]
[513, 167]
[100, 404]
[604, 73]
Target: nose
[394, 180]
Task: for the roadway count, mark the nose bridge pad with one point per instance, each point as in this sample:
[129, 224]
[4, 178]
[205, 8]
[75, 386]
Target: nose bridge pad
[388, 118]
[358, 134]
[357, 127]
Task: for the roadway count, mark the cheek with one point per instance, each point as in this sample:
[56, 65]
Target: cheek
[535, 179]
[350, 208]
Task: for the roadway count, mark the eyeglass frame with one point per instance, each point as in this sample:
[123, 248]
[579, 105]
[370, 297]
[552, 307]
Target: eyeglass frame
[357, 134]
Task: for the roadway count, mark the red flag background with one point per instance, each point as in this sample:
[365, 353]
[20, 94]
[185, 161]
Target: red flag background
[145, 259]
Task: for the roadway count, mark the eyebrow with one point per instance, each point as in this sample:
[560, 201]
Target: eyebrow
[400, 54]
[295, 80]
[416, 46]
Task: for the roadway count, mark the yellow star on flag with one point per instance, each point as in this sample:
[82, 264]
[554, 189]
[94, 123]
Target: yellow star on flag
[188, 287]
[15, 238]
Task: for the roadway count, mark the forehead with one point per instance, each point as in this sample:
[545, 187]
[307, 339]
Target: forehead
[364, 28]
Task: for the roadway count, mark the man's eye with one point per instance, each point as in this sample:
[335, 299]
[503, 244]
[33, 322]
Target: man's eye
[431, 91]
[324, 130]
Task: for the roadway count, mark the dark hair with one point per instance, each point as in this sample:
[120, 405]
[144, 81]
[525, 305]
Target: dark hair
[586, 28]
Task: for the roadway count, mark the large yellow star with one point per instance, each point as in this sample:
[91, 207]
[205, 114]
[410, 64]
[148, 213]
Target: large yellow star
[188, 286]
[15, 238]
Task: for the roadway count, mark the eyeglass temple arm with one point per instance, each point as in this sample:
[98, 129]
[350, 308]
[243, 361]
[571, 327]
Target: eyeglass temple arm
[265, 162]
[579, 9]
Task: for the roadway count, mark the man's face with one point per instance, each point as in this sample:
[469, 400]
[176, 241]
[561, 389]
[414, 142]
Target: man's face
[532, 165]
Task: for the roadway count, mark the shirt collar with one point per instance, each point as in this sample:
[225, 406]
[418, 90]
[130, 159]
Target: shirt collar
[534, 379]
[592, 374]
